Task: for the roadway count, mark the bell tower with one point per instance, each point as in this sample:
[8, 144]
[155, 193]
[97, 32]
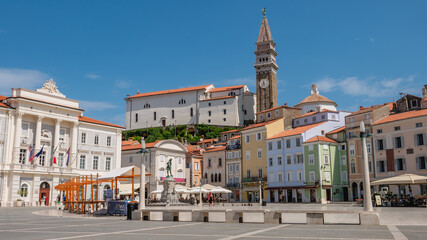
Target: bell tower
[266, 67]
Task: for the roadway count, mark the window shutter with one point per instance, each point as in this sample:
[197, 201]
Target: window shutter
[424, 139]
[416, 140]
[403, 141]
[418, 162]
[396, 163]
[404, 164]
[385, 166]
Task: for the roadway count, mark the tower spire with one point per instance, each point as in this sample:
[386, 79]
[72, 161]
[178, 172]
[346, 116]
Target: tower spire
[264, 32]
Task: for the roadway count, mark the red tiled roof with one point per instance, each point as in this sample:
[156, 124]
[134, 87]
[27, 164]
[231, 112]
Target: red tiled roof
[208, 140]
[272, 109]
[315, 98]
[222, 89]
[215, 149]
[235, 137]
[402, 116]
[320, 139]
[218, 98]
[129, 142]
[337, 130]
[261, 124]
[234, 130]
[94, 121]
[139, 146]
[371, 108]
[1, 103]
[170, 91]
[312, 113]
[295, 131]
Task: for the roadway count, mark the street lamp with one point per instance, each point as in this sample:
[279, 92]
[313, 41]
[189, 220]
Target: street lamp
[260, 193]
[367, 202]
[142, 177]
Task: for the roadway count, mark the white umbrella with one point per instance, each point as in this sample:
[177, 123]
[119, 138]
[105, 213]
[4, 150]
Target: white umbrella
[403, 179]
[181, 190]
[208, 186]
[197, 190]
[220, 190]
[160, 190]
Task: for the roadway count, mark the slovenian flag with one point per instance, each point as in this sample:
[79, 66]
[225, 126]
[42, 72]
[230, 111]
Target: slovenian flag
[68, 156]
[31, 150]
[40, 152]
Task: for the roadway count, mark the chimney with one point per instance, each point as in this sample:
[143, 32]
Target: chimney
[425, 91]
[318, 108]
[286, 104]
[361, 107]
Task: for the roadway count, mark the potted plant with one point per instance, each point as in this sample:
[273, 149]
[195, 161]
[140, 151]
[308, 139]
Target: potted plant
[21, 192]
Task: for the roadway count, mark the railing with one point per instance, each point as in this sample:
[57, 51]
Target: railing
[232, 147]
[233, 185]
[254, 179]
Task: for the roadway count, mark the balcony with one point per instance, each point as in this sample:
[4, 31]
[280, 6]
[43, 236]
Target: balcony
[233, 147]
[254, 179]
[233, 185]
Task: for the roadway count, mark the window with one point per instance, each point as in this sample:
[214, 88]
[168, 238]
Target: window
[62, 134]
[247, 138]
[209, 120]
[236, 167]
[225, 111]
[418, 125]
[326, 159]
[219, 162]
[136, 117]
[400, 164]
[343, 160]
[353, 166]
[298, 158]
[397, 128]
[344, 177]
[322, 132]
[248, 173]
[421, 162]
[258, 136]
[261, 117]
[108, 141]
[380, 144]
[312, 176]
[82, 161]
[60, 159]
[381, 166]
[297, 142]
[130, 159]
[368, 146]
[191, 112]
[230, 168]
[323, 117]
[280, 177]
[398, 142]
[270, 161]
[225, 102]
[209, 113]
[147, 105]
[370, 165]
[219, 177]
[224, 119]
[24, 131]
[83, 138]
[325, 147]
[259, 153]
[196, 166]
[270, 146]
[289, 176]
[327, 176]
[305, 120]
[260, 173]
[379, 131]
[277, 113]
[231, 94]
[367, 116]
[289, 159]
[155, 116]
[310, 147]
[24, 190]
[311, 159]
[173, 114]
[209, 104]
[352, 149]
[279, 144]
[343, 147]
[42, 158]
[299, 175]
[419, 139]
[313, 119]
[248, 154]
[209, 162]
[268, 115]
[182, 101]
[414, 103]
[288, 143]
[22, 156]
[96, 140]
[296, 122]
[95, 163]
[279, 160]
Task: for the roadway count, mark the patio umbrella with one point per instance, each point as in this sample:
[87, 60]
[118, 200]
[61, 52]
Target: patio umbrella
[403, 179]
[208, 187]
[219, 190]
[197, 190]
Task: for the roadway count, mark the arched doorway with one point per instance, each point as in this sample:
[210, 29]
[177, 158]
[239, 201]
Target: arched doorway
[44, 194]
[354, 191]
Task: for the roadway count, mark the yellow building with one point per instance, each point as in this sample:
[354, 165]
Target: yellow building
[254, 163]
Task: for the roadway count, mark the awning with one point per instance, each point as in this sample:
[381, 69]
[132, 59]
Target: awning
[118, 172]
[126, 188]
[404, 179]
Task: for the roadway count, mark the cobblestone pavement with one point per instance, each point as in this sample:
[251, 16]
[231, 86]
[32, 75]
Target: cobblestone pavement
[28, 223]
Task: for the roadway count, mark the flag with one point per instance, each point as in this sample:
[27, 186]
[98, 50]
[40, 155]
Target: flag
[53, 154]
[40, 152]
[31, 150]
[68, 157]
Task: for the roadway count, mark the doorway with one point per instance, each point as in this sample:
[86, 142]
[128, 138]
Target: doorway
[44, 193]
[313, 195]
[164, 122]
[328, 194]
[289, 195]
[345, 194]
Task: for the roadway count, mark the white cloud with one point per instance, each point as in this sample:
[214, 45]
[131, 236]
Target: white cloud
[96, 105]
[92, 76]
[371, 87]
[122, 84]
[20, 78]
[371, 39]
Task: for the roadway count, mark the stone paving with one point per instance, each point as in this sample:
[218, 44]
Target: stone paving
[35, 223]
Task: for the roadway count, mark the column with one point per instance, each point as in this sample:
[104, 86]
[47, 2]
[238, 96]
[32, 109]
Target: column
[37, 136]
[358, 191]
[10, 134]
[73, 150]
[56, 139]
[17, 140]
[118, 151]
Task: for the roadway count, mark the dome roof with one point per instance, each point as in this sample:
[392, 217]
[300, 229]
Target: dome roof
[315, 97]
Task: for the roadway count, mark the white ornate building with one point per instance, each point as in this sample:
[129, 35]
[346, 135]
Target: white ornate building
[46, 121]
[225, 106]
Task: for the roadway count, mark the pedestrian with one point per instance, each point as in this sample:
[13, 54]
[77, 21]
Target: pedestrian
[58, 199]
[210, 199]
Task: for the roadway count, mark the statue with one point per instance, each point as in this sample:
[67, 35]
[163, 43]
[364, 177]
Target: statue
[50, 87]
[169, 168]
[263, 11]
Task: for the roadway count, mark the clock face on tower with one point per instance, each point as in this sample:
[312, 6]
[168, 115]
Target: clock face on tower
[263, 83]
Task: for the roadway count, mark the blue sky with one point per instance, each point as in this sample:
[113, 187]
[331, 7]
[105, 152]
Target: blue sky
[358, 52]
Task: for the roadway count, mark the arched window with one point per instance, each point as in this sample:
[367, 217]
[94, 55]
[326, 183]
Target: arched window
[219, 177]
[136, 117]
[147, 105]
[231, 94]
[216, 177]
[24, 190]
[182, 101]
[206, 175]
[173, 113]
[212, 177]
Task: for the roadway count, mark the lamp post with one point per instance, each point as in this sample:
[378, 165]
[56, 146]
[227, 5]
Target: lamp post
[260, 193]
[141, 204]
[367, 202]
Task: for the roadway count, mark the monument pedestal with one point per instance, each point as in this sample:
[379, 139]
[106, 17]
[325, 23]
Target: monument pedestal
[169, 194]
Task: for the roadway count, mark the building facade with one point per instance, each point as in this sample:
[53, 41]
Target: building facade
[214, 165]
[233, 166]
[45, 140]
